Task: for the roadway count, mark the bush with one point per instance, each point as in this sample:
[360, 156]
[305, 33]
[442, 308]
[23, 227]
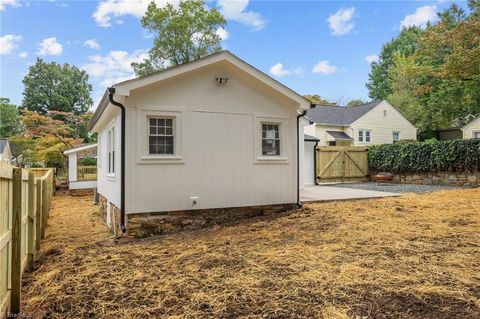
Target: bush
[88, 161]
[428, 156]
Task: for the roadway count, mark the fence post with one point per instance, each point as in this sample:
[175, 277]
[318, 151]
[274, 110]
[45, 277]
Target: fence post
[31, 221]
[16, 241]
[39, 214]
[44, 206]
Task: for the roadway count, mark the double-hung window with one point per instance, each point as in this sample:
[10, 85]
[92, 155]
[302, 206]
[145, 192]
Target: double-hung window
[270, 139]
[161, 136]
[396, 137]
[364, 136]
[111, 151]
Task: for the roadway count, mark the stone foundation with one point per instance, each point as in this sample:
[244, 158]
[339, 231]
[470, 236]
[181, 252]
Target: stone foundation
[81, 192]
[148, 224]
[442, 178]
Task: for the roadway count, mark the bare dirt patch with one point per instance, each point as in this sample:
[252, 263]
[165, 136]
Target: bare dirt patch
[416, 256]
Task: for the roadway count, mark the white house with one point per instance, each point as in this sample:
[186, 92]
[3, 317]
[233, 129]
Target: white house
[472, 129]
[204, 142]
[5, 152]
[371, 123]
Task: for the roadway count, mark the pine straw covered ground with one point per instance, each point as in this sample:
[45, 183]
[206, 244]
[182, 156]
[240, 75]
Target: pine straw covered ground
[417, 256]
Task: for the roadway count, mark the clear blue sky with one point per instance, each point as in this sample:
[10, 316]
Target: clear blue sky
[314, 47]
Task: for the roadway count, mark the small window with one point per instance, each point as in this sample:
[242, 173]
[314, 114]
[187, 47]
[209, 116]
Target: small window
[160, 136]
[396, 137]
[364, 136]
[111, 151]
[476, 134]
[270, 139]
[384, 113]
[332, 143]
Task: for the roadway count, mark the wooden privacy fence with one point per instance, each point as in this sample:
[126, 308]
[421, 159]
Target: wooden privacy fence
[341, 164]
[86, 173]
[25, 197]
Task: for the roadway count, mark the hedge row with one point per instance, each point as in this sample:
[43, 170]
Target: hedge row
[429, 156]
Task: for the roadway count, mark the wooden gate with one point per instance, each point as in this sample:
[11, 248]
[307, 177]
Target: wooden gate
[341, 164]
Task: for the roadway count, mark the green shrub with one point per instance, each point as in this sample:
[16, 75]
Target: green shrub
[428, 156]
[88, 161]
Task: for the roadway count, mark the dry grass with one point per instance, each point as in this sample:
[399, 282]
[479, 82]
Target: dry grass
[417, 256]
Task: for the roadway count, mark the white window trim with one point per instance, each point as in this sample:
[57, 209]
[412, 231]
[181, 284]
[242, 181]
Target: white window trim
[393, 133]
[475, 132]
[142, 132]
[364, 136]
[282, 127]
[112, 141]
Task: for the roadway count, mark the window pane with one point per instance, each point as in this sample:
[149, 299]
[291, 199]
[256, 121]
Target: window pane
[161, 145]
[270, 139]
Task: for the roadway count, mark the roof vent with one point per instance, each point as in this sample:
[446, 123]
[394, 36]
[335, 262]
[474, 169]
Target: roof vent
[221, 80]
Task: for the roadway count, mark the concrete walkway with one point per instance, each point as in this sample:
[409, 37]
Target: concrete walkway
[322, 193]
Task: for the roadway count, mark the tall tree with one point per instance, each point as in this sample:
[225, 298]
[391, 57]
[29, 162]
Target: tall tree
[183, 34]
[9, 119]
[406, 43]
[55, 87]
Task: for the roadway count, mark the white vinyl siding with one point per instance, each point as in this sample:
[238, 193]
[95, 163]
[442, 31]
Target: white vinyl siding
[382, 124]
[472, 129]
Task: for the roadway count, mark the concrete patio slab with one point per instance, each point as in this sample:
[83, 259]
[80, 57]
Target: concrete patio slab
[323, 193]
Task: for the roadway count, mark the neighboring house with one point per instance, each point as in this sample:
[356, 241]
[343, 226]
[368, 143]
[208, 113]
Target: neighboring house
[370, 123]
[205, 142]
[5, 152]
[472, 129]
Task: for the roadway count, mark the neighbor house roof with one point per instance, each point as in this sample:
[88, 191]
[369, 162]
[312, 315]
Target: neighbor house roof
[339, 115]
[339, 135]
[124, 88]
[80, 148]
[310, 138]
[3, 144]
[470, 123]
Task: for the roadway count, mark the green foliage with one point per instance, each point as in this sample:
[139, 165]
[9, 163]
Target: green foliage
[183, 34]
[355, 102]
[317, 99]
[55, 87]
[9, 119]
[406, 44]
[433, 77]
[88, 161]
[428, 156]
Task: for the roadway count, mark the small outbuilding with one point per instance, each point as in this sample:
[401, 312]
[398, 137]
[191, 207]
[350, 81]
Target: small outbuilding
[81, 176]
[205, 142]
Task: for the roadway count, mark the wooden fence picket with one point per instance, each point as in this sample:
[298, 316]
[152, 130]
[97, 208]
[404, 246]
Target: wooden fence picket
[25, 197]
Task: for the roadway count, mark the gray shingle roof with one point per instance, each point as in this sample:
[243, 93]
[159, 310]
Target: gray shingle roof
[3, 143]
[307, 137]
[339, 135]
[339, 115]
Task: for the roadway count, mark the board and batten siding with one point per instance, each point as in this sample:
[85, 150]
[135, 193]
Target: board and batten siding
[382, 126]
[109, 186]
[218, 143]
[470, 129]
